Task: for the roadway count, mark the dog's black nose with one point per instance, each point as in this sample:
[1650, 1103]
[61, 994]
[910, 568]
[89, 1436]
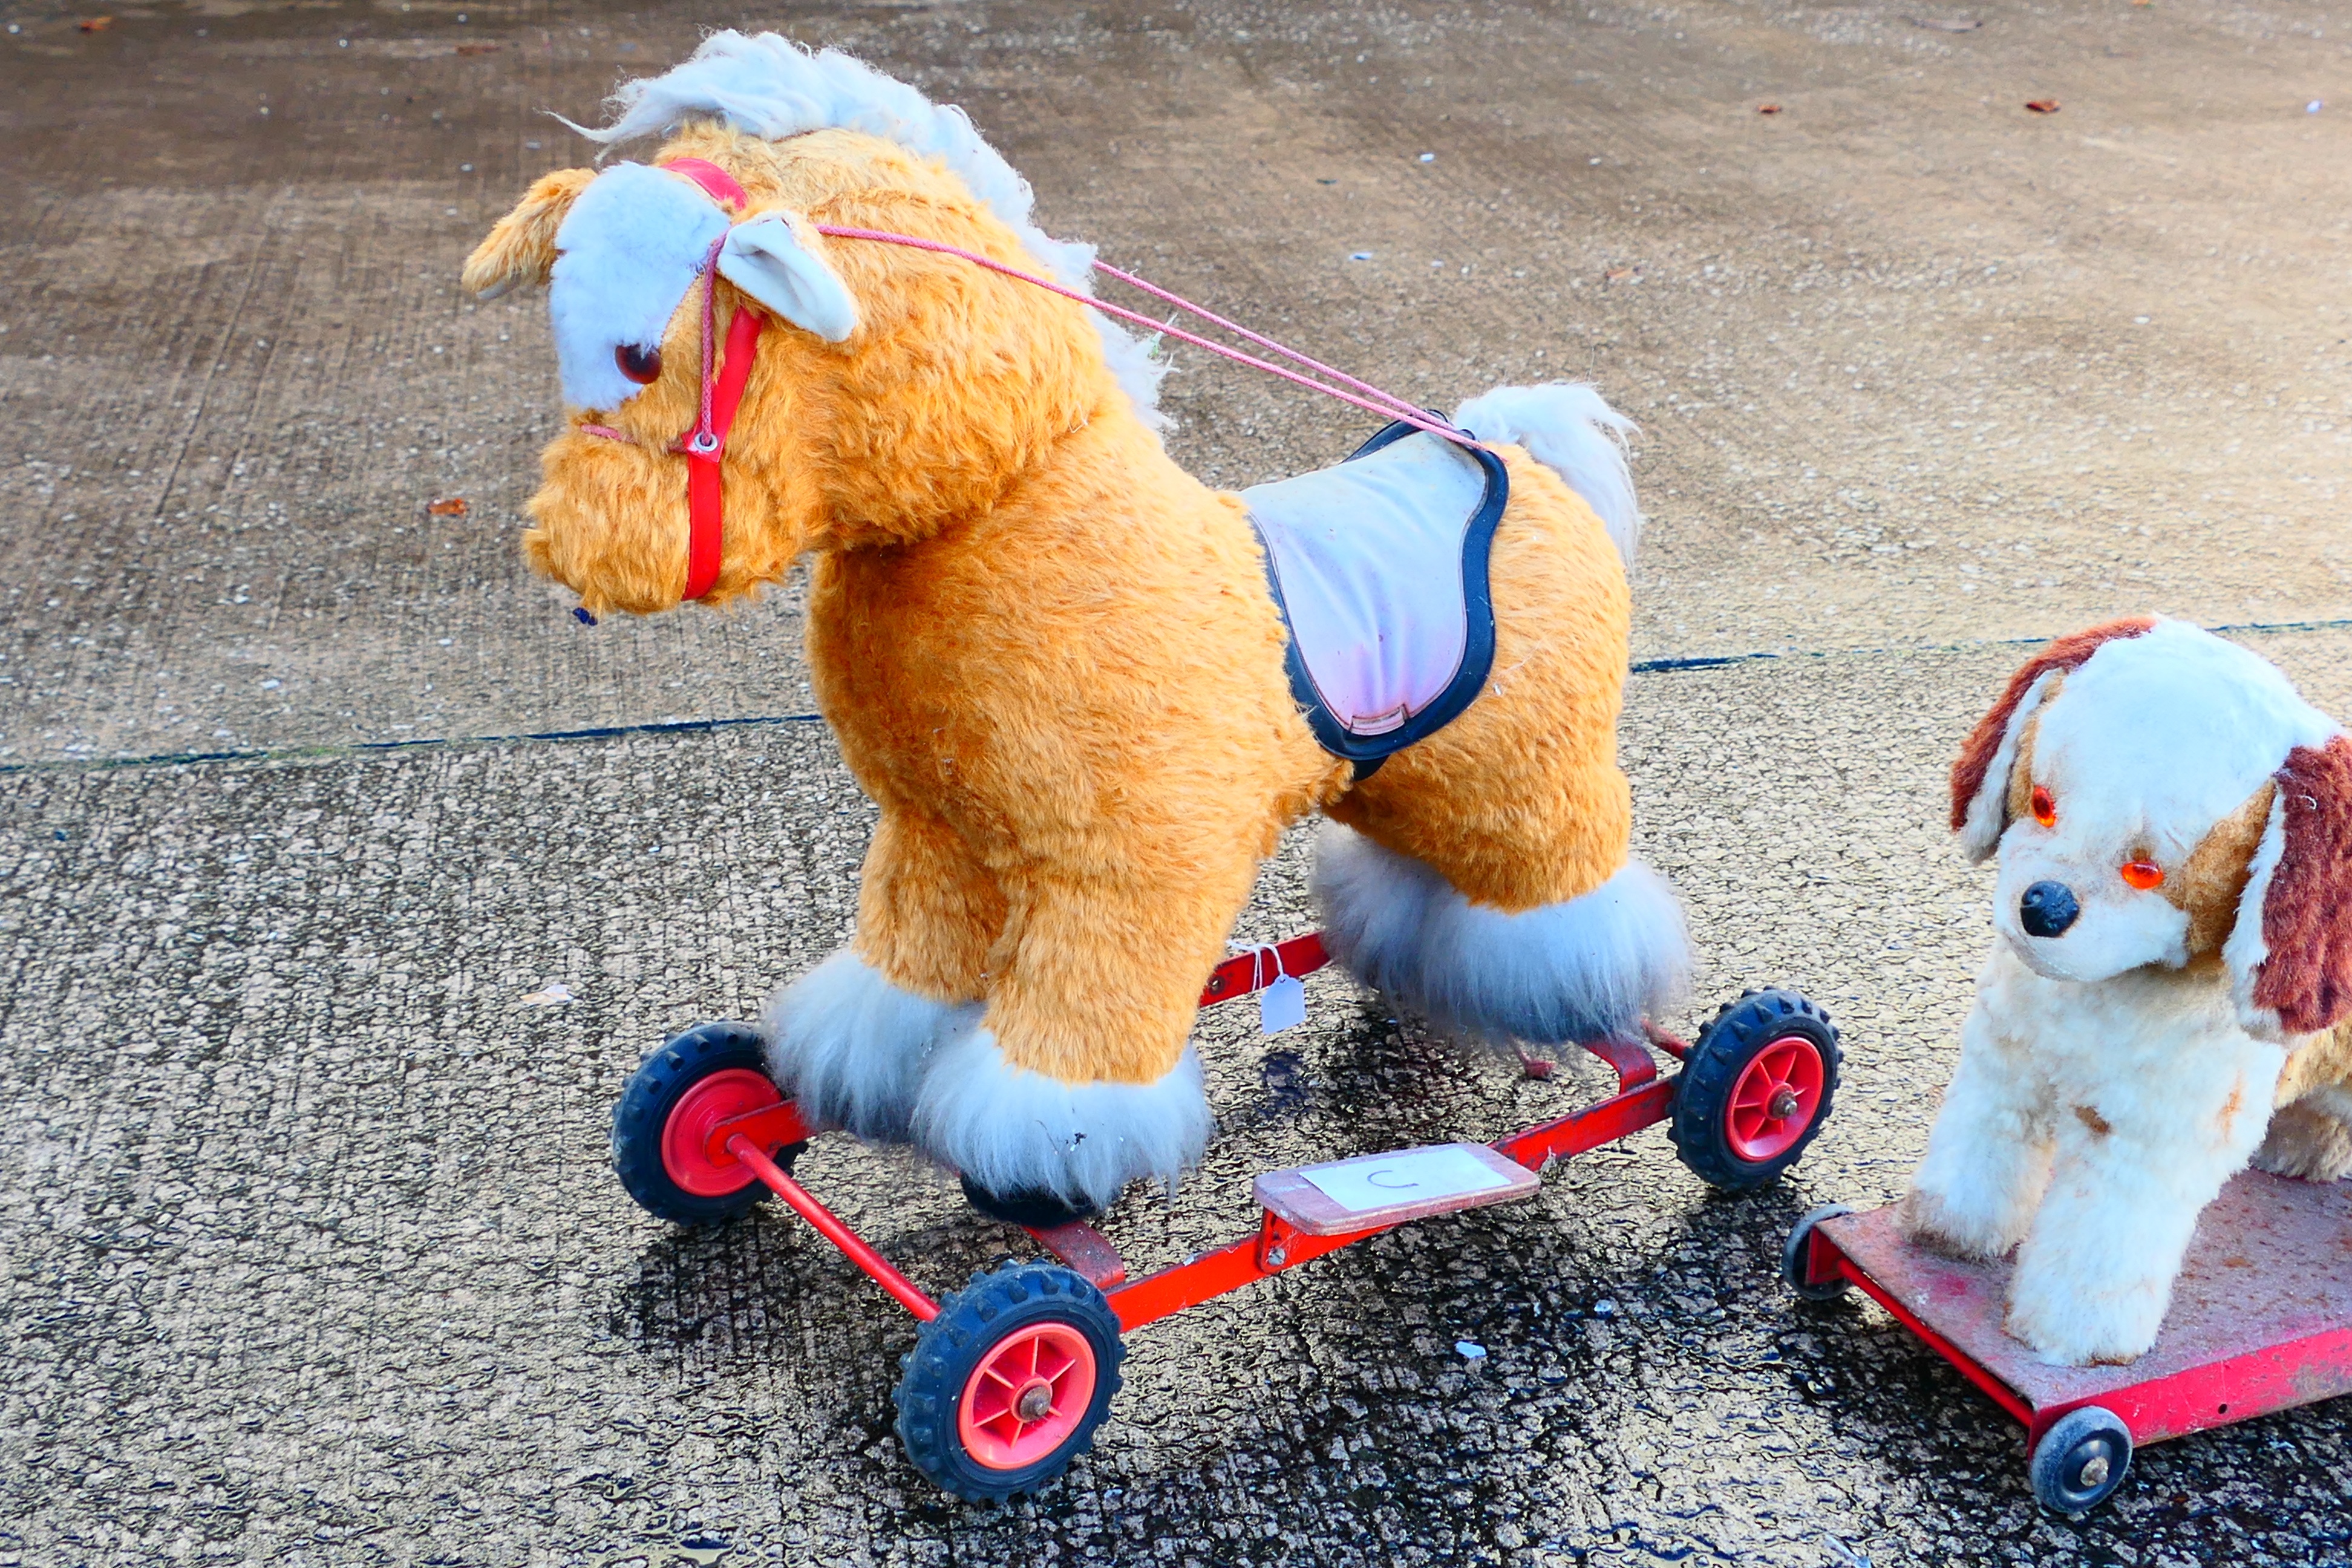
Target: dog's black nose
[2047, 909]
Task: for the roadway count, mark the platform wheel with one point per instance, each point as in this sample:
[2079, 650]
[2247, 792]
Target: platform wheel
[1007, 1384]
[690, 1085]
[1795, 1251]
[1755, 1088]
[2081, 1460]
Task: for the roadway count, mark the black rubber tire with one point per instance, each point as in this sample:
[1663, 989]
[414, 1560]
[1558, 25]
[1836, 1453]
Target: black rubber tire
[1722, 1051]
[2081, 1460]
[972, 1323]
[661, 1081]
[1793, 1258]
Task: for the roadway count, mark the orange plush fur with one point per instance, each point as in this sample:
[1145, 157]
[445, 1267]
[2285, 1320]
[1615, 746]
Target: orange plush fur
[1049, 654]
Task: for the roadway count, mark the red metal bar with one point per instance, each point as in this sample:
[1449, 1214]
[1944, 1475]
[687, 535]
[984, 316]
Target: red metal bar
[1085, 1250]
[1277, 1247]
[1589, 1128]
[2218, 1393]
[1672, 1045]
[1201, 1277]
[1644, 1100]
[1634, 1065]
[1247, 972]
[1281, 1245]
[828, 1224]
[1208, 1275]
[770, 1128]
[2002, 1394]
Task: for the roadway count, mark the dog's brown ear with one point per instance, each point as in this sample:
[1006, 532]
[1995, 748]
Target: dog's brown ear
[1981, 775]
[2290, 955]
[521, 248]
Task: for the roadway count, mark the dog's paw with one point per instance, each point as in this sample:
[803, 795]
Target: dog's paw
[2072, 1326]
[1929, 1220]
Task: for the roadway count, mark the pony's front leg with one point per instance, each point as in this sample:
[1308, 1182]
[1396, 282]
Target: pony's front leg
[850, 1039]
[1078, 1081]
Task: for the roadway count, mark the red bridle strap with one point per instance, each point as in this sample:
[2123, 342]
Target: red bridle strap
[707, 444]
[717, 183]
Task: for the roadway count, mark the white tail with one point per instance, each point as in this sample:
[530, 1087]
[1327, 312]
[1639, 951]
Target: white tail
[1566, 426]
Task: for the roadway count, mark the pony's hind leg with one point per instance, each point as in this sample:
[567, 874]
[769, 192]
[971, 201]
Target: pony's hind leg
[1483, 877]
[850, 1039]
[1589, 966]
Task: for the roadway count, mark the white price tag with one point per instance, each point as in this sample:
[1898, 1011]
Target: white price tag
[1282, 1005]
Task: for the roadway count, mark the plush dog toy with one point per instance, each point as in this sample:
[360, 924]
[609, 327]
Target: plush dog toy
[1086, 691]
[2174, 828]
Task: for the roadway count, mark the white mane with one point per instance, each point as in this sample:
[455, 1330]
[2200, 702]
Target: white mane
[768, 86]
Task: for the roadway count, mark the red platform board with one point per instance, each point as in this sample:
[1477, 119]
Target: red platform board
[2261, 1317]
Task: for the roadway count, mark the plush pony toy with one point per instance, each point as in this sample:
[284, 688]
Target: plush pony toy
[2174, 828]
[1086, 692]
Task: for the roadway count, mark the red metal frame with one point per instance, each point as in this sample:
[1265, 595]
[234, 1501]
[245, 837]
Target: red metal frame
[1247, 972]
[2205, 1397]
[2171, 1405]
[1085, 1250]
[770, 1128]
[1824, 1262]
[1642, 1100]
[828, 1224]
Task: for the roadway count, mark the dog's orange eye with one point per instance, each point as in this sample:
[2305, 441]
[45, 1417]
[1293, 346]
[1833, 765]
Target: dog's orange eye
[2045, 810]
[640, 365]
[2143, 874]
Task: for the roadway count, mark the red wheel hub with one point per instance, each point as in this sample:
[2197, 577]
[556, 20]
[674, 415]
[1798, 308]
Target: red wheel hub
[1775, 1100]
[1026, 1396]
[730, 1092]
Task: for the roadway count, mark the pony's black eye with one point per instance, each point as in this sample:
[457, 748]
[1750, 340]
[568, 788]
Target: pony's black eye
[640, 365]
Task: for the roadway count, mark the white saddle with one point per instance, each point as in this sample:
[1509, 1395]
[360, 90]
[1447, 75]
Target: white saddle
[1379, 565]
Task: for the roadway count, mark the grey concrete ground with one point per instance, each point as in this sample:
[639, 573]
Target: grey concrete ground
[312, 1255]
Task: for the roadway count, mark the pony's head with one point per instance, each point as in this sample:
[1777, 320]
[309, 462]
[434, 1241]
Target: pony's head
[892, 390]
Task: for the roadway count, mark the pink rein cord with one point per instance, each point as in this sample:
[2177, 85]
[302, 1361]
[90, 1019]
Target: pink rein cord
[1388, 407]
[1403, 410]
[705, 444]
[703, 438]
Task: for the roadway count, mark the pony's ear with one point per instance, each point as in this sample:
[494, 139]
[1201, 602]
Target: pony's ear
[521, 248]
[777, 260]
[2290, 954]
[1981, 781]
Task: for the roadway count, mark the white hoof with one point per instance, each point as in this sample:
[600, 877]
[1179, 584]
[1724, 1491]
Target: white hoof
[851, 1048]
[1009, 1130]
[1973, 1223]
[1584, 969]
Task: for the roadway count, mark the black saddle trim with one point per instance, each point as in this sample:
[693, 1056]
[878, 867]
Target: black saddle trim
[1368, 751]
